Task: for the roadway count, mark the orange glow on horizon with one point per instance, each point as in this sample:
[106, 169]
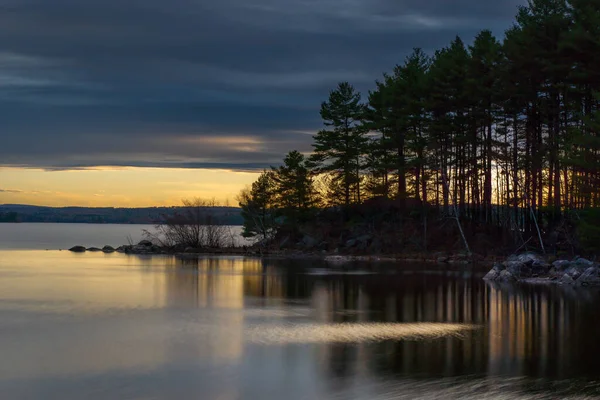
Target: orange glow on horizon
[119, 186]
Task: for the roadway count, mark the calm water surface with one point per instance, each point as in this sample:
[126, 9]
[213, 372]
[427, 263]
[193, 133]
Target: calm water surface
[96, 326]
[50, 236]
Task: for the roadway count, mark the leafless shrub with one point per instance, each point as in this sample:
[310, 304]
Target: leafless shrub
[194, 225]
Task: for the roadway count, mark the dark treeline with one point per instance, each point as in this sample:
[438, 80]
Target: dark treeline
[501, 134]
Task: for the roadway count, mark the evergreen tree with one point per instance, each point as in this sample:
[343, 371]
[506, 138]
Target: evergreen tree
[258, 206]
[340, 149]
[293, 188]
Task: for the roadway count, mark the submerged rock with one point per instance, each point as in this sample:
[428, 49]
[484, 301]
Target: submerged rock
[108, 249]
[77, 249]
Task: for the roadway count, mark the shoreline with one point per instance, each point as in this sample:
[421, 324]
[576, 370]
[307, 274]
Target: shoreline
[442, 258]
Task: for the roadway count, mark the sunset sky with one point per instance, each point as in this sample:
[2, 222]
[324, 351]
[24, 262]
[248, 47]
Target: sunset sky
[146, 102]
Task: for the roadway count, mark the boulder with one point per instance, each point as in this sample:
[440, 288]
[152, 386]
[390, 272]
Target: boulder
[526, 258]
[518, 269]
[146, 243]
[108, 249]
[554, 274]
[492, 275]
[95, 249]
[77, 249]
[574, 272]
[567, 280]
[498, 267]
[506, 276]
[590, 277]
[561, 265]
[540, 268]
[583, 263]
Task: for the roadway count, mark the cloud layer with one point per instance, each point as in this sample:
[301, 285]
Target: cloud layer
[190, 83]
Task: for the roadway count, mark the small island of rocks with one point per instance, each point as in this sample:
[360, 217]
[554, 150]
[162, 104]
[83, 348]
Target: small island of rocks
[533, 268]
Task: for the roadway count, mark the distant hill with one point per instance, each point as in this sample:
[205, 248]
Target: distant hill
[103, 215]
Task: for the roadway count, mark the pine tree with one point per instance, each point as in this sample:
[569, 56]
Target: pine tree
[482, 86]
[294, 192]
[340, 149]
[259, 209]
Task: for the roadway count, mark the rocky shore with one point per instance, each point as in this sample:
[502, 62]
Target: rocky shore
[533, 268]
[147, 247]
[337, 256]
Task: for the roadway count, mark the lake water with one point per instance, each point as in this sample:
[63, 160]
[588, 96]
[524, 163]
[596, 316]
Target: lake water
[43, 236]
[113, 326]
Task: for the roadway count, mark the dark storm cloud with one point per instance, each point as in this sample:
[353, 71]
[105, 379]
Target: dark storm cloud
[191, 83]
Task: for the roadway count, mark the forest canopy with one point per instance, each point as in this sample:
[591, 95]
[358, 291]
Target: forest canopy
[501, 133]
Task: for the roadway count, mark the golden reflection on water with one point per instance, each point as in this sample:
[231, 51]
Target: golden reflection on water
[353, 332]
[131, 312]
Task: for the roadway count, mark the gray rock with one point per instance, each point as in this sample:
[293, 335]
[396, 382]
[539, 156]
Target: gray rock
[95, 249]
[583, 263]
[498, 267]
[506, 276]
[574, 272]
[554, 274]
[492, 275]
[108, 249]
[77, 249]
[561, 265]
[518, 269]
[145, 243]
[540, 268]
[567, 280]
[526, 258]
[590, 277]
